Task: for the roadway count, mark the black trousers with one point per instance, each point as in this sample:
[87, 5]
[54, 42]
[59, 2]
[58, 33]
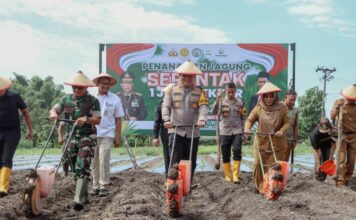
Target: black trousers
[164, 140]
[7, 151]
[182, 150]
[324, 156]
[231, 140]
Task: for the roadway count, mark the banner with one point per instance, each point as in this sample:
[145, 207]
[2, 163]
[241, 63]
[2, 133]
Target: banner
[143, 70]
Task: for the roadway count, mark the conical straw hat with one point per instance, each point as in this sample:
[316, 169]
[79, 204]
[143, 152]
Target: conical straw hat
[188, 68]
[104, 75]
[349, 92]
[80, 79]
[268, 88]
[4, 83]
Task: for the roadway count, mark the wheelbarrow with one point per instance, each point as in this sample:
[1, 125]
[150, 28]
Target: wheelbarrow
[40, 180]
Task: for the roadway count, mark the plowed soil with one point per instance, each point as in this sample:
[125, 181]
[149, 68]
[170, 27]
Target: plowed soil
[140, 195]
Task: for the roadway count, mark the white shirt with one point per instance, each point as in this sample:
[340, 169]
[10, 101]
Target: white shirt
[111, 108]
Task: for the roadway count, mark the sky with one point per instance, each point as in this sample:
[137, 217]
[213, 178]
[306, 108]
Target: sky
[57, 38]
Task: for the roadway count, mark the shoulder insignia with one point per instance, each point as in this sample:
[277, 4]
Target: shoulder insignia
[203, 99]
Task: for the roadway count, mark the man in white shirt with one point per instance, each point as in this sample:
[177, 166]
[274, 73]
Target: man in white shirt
[108, 132]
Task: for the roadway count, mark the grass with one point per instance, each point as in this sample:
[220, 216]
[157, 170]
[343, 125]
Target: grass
[301, 149]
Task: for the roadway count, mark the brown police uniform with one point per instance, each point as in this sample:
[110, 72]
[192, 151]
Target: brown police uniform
[232, 120]
[348, 145]
[184, 106]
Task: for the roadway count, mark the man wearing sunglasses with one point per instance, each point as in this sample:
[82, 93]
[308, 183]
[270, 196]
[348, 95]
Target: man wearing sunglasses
[85, 110]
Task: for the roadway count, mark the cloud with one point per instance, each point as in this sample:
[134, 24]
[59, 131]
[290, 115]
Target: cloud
[59, 37]
[321, 14]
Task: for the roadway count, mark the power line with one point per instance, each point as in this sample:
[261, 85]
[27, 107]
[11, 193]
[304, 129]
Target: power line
[326, 77]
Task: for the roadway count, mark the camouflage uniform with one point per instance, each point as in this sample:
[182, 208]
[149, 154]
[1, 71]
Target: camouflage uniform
[82, 145]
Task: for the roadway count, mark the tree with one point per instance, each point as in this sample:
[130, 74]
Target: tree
[310, 109]
[39, 95]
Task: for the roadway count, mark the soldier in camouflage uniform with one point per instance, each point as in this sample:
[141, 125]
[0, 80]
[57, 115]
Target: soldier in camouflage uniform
[232, 120]
[132, 102]
[85, 110]
[185, 103]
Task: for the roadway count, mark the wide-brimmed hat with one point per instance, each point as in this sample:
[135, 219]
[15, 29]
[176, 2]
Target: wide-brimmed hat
[104, 75]
[4, 83]
[349, 92]
[268, 87]
[80, 79]
[324, 125]
[127, 77]
[188, 68]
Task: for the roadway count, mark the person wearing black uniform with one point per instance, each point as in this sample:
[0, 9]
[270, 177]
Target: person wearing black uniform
[160, 131]
[323, 146]
[10, 133]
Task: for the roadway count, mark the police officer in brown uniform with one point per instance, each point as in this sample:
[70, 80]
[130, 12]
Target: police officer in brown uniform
[132, 102]
[185, 104]
[233, 115]
[348, 144]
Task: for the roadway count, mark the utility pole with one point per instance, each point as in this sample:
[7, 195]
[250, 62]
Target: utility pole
[326, 77]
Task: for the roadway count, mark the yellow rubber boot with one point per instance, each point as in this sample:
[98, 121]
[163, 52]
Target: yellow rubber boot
[5, 180]
[227, 171]
[236, 171]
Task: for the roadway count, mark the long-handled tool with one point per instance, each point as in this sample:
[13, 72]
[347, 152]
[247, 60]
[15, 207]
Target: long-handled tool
[339, 142]
[218, 157]
[131, 155]
[34, 193]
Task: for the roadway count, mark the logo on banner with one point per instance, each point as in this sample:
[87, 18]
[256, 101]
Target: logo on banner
[196, 52]
[173, 53]
[184, 52]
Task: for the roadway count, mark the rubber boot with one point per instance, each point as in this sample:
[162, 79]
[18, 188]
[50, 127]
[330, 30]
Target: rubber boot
[81, 193]
[5, 181]
[236, 171]
[227, 171]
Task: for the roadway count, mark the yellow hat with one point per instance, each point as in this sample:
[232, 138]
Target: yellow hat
[4, 83]
[104, 75]
[188, 68]
[80, 79]
[349, 92]
[268, 87]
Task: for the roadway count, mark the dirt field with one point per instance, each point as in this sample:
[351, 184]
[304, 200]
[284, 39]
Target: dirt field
[140, 195]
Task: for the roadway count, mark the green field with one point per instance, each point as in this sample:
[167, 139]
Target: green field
[155, 151]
